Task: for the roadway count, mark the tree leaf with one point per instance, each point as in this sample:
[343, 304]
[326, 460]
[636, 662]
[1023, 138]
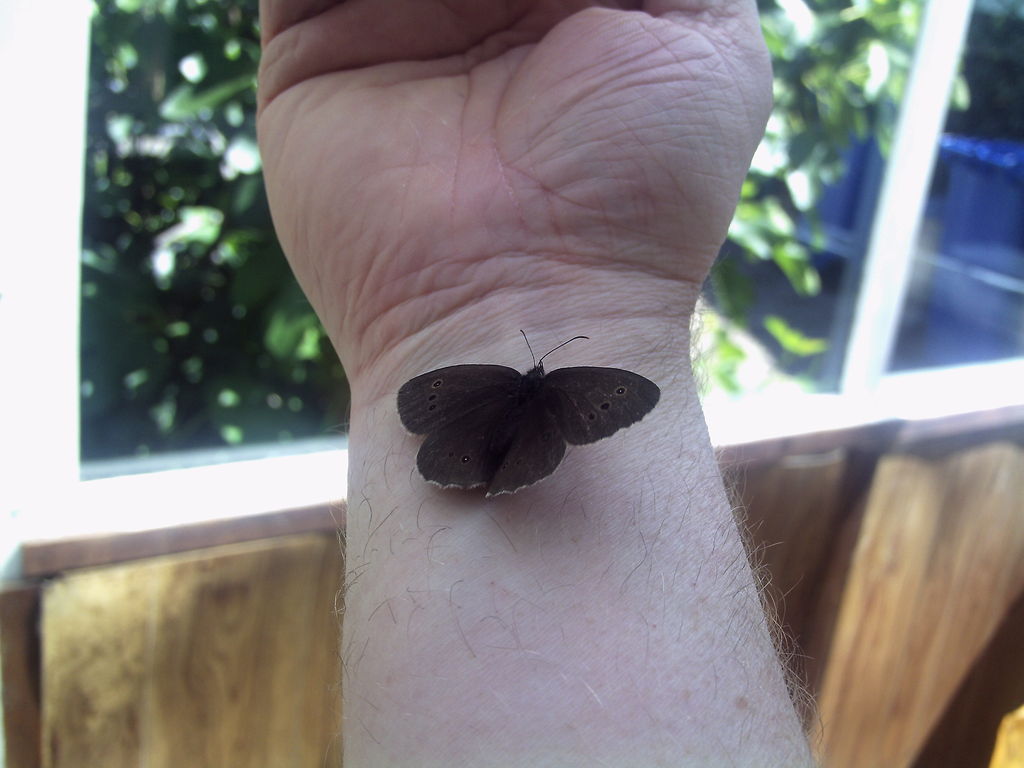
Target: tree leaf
[792, 340]
[186, 101]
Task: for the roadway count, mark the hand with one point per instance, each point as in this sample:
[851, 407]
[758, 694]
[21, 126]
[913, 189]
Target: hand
[422, 155]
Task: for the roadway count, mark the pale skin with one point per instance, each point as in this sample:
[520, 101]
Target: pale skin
[442, 174]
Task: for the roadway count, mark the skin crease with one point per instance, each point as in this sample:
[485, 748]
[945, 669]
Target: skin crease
[442, 174]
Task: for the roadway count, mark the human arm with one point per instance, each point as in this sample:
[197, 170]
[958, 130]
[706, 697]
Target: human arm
[442, 175]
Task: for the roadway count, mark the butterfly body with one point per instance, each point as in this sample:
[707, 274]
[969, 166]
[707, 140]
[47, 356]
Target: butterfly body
[489, 425]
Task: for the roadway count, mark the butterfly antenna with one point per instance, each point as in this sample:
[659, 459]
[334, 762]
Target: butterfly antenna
[559, 347]
[529, 347]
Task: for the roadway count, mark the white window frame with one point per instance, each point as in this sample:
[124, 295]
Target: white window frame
[908, 173]
[43, 75]
[41, 495]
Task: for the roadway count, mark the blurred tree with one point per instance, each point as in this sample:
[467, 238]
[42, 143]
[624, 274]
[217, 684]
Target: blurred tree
[194, 332]
[993, 68]
[840, 67]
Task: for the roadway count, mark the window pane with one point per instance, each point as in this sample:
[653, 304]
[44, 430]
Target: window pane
[783, 293]
[966, 298]
[194, 333]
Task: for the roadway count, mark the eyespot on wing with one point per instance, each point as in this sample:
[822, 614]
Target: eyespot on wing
[446, 395]
[592, 403]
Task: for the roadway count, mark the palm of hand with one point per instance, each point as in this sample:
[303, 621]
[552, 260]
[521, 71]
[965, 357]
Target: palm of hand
[612, 138]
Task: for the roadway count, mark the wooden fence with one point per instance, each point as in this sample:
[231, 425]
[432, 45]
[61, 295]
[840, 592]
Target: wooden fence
[893, 557]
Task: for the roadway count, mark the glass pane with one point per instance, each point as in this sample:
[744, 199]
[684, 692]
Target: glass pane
[782, 296]
[966, 295]
[194, 333]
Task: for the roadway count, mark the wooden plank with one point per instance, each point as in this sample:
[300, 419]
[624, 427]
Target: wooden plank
[874, 438]
[19, 676]
[994, 686]
[939, 560]
[988, 424]
[881, 436]
[46, 558]
[227, 657]
[800, 514]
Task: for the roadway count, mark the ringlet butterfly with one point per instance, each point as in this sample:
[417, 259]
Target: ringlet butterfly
[493, 426]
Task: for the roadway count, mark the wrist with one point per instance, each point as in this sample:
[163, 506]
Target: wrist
[634, 320]
[599, 592]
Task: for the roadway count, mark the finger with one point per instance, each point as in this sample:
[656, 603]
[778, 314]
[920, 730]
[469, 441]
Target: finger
[303, 40]
[697, 7]
[276, 15]
[732, 29]
[734, 23]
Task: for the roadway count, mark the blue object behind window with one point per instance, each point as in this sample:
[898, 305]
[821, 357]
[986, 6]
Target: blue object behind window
[984, 210]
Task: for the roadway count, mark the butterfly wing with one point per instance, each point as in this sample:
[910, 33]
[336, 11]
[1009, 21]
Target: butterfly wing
[592, 403]
[479, 432]
[432, 400]
[462, 453]
[535, 451]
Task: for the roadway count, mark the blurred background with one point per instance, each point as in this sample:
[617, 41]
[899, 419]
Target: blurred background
[194, 334]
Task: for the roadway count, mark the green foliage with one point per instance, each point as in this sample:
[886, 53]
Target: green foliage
[791, 340]
[840, 68]
[993, 68]
[730, 356]
[194, 332]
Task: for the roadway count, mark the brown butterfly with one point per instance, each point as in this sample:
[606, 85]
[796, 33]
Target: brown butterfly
[489, 425]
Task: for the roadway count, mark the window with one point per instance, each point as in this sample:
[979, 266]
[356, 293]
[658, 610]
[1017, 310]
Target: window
[40, 204]
[210, 348]
[194, 333]
[965, 296]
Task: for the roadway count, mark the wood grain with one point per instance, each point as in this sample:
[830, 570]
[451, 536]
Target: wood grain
[227, 657]
[46, 558]
[963, 738]
[791, 511]
[19, 676]
[938, 562]
[901, 599]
